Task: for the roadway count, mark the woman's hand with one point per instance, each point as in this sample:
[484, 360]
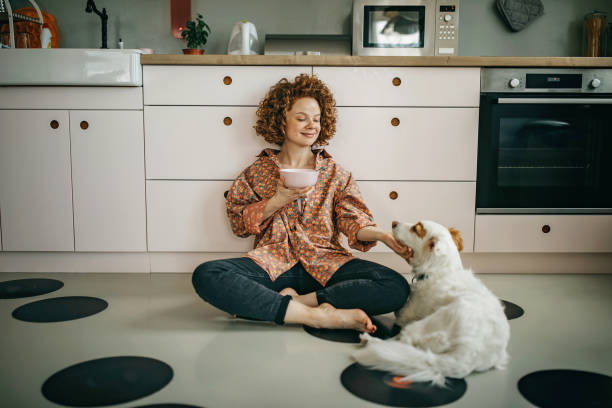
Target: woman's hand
[284, 196]
[371, 233]
[402, 250]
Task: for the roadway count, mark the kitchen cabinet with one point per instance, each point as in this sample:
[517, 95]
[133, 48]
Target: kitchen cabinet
[108, 180]
[35, 181]
[190, 215]
[73, 180]
[199, 136]
[409, 136]
[543, 233]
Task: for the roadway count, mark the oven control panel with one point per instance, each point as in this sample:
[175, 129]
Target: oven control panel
[568, 80]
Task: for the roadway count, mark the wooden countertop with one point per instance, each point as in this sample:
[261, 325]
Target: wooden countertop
[451, 61]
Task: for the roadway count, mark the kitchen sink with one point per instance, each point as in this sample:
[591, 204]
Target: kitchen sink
[70, 66]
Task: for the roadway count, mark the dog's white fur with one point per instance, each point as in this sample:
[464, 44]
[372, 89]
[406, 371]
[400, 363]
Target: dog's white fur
[451, 324]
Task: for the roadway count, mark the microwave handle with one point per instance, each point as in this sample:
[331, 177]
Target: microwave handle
[587, 101]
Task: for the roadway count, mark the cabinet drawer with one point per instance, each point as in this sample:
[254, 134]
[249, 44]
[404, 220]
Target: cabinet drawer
[385, 86]
[525, 233]
[190, 216]
[448, 203]
[193, 142]
[212, 85]
[407, 143]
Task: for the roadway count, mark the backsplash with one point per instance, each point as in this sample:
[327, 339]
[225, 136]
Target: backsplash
[146, 24]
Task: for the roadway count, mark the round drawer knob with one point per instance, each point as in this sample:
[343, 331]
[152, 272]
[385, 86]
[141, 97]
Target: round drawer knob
[396, 81]
[54, 124]
[225, 193]
[227, 121]
[546, 229]
[393, 195]
[395, 122]
[84, 124]
[227, 80]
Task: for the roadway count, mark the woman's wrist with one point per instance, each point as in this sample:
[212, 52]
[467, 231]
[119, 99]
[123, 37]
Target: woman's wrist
[370, 233]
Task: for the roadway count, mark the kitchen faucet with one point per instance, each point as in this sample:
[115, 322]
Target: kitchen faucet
[91, 6]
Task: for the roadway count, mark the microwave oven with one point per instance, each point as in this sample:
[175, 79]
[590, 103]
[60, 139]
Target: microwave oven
[405, 27]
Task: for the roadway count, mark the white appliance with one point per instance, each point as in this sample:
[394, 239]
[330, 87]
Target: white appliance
[243, 39]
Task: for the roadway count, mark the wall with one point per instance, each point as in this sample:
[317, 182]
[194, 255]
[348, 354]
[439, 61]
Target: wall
[146, 24]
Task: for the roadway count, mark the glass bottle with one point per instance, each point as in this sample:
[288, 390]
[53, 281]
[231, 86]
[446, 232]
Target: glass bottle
[595, 34]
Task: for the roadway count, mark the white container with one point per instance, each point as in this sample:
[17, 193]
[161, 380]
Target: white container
[243, 39]
[45, 37]
[299, 178]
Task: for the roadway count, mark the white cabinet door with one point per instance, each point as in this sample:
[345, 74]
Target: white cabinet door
[543, 233]
[35, 184]
[108, 180]
[194, 142]
[407, 143]
[448, 203]
[212, 85]
[190, 216]
[402, 86]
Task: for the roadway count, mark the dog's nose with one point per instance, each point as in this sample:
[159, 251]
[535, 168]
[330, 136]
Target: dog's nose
[394, 224]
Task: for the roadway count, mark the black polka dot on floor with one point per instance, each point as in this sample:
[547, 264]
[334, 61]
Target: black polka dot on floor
[20, 288]
[567, 388]
[385, 329]
[107, 381]
[387, 389]
[59, 309]
[511, 310]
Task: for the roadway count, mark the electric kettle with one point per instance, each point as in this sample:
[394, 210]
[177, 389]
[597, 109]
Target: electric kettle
[243, 39]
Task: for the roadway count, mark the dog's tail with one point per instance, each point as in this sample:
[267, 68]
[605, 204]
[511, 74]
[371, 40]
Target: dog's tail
[412, 363]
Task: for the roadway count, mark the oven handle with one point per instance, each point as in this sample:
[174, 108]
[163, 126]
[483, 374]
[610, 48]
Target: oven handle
[587, 101]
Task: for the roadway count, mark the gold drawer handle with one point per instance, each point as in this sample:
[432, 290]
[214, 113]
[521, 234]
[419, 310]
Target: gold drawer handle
[54, 124]
[546, 229]
[396, 81]
[227, 80]
[393, 195]
[84, 124]
[395, 122]
[227, 121]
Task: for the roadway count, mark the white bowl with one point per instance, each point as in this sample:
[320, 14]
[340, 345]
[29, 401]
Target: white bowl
[299, 178]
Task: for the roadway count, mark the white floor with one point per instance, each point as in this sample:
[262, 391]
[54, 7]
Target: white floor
[222, 362]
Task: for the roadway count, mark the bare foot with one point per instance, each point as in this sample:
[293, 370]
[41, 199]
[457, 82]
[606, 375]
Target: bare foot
[332, 318]
[289, 291]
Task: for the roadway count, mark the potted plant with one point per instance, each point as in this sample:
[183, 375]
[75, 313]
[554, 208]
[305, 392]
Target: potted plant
[196, 34]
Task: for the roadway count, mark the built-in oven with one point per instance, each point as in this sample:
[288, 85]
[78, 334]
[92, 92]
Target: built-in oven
[545, 141]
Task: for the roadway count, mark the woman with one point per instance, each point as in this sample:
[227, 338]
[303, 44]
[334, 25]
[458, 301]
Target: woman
[298, 272]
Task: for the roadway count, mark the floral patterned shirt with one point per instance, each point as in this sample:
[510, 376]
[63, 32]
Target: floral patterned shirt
[288, 237]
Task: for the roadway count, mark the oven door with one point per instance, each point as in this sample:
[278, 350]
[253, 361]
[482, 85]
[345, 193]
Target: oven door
[541, 154]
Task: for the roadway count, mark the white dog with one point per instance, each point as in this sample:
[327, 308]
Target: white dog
[451, 324]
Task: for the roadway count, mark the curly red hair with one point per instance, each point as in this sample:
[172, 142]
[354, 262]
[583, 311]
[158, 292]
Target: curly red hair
[273, 109]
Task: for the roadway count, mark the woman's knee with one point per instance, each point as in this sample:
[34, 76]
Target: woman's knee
[204, 275]
[399, 289]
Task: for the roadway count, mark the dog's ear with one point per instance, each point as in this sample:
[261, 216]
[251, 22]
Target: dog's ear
[419, 229]
[456, 235]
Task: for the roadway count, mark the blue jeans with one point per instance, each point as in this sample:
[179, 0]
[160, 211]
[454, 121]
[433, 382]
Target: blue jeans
[239, 286]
